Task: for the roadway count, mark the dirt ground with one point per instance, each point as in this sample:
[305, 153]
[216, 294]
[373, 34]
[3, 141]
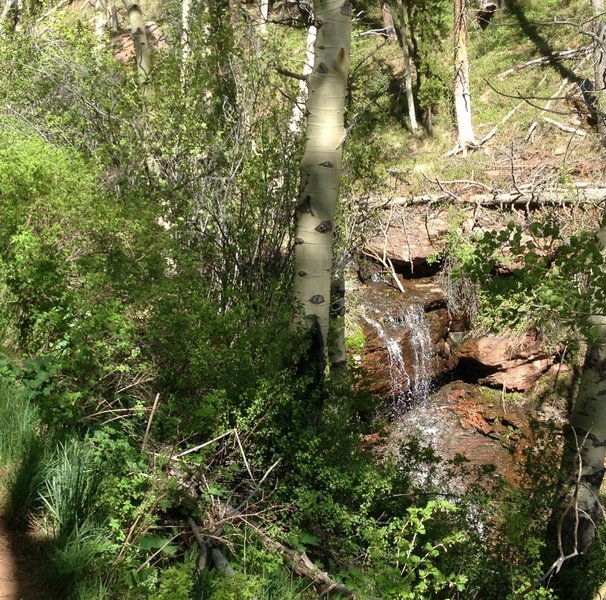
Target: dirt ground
[19, 568]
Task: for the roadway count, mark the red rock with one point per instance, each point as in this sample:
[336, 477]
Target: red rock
[515, 362]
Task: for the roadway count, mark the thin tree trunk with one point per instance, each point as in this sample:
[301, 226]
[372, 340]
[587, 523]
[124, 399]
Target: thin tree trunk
[599, 66]
[113, 16]
[6, 11]
[100, 18]
[142, 50]
[404, 36]
[388, 24]
[19, 15]
[321, 167]
[185, 43]
[299, 108]
[462, 96]
[586, 441]
[264, 10]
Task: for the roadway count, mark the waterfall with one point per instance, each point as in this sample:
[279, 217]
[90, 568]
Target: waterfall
[420, 338]
[410, 383]
[400, 381]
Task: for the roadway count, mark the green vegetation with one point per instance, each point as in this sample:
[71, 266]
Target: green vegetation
[155, 407]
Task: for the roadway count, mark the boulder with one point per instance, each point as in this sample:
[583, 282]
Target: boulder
[515, 362]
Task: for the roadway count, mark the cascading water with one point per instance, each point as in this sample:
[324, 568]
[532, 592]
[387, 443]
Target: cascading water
[420, 341]
[410, 384]
[400, 381]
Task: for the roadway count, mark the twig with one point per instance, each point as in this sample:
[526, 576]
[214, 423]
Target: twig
[534, 124]
[244, 457]
[288, 73]
[149, 423]
[200, 446]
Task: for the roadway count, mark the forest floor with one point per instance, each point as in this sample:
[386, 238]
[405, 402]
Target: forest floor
[20, 571]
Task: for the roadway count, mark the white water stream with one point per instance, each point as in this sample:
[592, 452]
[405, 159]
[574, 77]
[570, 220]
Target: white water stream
[410, 383]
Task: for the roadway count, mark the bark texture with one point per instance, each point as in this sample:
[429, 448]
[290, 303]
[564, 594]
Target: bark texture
[599, 66]
[321, 163]
[462, 95]
[299, 108]
[404, 36]
[100, 18]
[185, 43]
[142, 49]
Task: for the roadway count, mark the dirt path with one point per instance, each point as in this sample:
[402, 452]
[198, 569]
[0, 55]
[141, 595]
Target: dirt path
[19, 568]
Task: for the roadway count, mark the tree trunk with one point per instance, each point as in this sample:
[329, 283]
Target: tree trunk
[142, 50]
[388, 24]
[586, 440]
[185, 43]
[113, 16]
[462, 97]
[6, 11]
[264, 10]
[321, 167]
[404, 37]
[599, 66]
[298, 110]
[100, 18]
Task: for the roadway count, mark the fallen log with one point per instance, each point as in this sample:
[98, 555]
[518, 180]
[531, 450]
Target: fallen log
[523, 196]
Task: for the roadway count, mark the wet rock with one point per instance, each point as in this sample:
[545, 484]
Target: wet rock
[513, 362]
[405, 337]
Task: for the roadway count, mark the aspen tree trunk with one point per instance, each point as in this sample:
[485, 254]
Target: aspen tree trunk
[586, 440]
[388, 24]
[599, 66]
[264, 10]
[142, 50]
[113, 16]
[462, 97]
[100, 18]
[297, 113]
[6, 11]
[185, 43]
[19, 16]
[321, 166]
[404, 35]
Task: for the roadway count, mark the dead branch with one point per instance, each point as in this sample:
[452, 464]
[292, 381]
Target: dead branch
[525, 195]
[534, 124]
[149, 423]
[288, 73]
[299, 561]
[566, 128]
[547, 60]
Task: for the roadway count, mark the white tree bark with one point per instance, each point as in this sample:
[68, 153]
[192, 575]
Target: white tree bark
[462, 95]
[113, 16]
[299, 108]
[185, 43]
[599, 66]
[100, 18]
[404, 34]
[264, 10]
[6, 11]
[321, 165]
[142, 49]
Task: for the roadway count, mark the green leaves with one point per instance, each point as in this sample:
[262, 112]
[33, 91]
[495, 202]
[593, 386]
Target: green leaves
[539, 276]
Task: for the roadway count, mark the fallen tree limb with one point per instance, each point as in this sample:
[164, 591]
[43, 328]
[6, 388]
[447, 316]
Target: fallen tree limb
[547, 60]
[566, 128]
[523, 196]
[299, 561]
